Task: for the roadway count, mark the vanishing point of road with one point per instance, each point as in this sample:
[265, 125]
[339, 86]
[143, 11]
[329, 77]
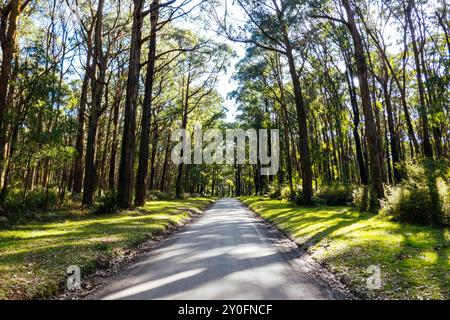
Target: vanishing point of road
[227, 254]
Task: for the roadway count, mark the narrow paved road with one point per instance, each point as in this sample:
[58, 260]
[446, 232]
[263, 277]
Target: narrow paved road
[226, 254]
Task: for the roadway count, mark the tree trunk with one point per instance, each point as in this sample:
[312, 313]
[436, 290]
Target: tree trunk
[392, 135]
[305, 160]
[356, 123]
[376, 173]
[8, 33]
[79, 144]
[115, 134]
[179, 187]
[97, 85]
[129, 129]
[427, 148]
[166, 164]
[141, 178]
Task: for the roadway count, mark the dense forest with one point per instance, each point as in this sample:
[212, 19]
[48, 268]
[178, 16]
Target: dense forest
[90, 92]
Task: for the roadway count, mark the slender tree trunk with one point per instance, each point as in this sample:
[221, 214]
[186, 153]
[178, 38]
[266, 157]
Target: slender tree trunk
[179, 187]
[155, 138]
[115, 134]
[376, 173]
[356, 123]
[141, 178]
[392, 135]
[129, 130]
[427, 147]
[8, 32]
[166, 164]
[79, 145]
[305, 160]
[97, 85]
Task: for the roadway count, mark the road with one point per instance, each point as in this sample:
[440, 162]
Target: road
[227, 254]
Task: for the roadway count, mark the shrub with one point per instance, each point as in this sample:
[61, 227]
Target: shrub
[285, 193]
[107, 203]
[406, 204]
[335, 195]
[318, 202]
[42, 199]
[274, 192]
[19, 206]
[444, 193]
[185, 195]
[419, 198]
[158, 195]
[297, 195]
[364, 199]
[361, 198]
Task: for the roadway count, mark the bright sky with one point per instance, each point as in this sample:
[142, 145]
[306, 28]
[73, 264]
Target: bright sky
[226, 84]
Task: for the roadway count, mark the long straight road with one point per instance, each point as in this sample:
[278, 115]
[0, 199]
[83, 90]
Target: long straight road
[227, 254]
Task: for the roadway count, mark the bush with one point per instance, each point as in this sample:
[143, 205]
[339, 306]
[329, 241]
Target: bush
[335, 195]
[185, 195]
[107, 203]
[40, 199]
[361, 198]
[286, 194]
[419, 198]
[18, 206]
[444, 193]
[406, 204]
[159, 195]
[274, 192]
[364, 199]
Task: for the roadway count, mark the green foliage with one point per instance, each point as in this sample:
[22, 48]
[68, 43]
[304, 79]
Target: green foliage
[444, 193]
[335, 194]
[185, 195]
[159, 195]
[419, 198]
[34, 256]
[274, 192]
[285, 193]
[107, 203]
[361, 198]
[19, 206]
[413, 258]
[295, 196]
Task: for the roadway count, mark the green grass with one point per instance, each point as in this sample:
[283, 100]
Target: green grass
[414, 260]
[35, 256]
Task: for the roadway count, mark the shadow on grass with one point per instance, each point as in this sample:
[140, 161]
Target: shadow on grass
[414, 260]
[43, 251]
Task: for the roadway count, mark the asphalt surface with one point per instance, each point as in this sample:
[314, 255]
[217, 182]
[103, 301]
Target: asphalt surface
[227, 254]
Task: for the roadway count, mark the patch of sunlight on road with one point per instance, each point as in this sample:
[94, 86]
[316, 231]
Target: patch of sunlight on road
[150, 285]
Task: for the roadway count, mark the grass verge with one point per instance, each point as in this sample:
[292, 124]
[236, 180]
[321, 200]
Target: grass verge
[414, 260]
[35, 256]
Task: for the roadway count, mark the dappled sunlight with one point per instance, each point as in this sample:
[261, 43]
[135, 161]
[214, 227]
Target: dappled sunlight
[225, 254]
[45, 250]
[414, 259]
[133, 290]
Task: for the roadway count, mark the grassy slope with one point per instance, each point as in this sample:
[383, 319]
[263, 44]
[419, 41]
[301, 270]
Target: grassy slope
[414, 260]
[34, 257]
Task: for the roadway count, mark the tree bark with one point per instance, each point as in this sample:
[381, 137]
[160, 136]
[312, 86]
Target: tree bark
[129, 130]
[427, 147]
[97, 85]
[8, 32]
[141, 179]
[79, 144]
[376, 173]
